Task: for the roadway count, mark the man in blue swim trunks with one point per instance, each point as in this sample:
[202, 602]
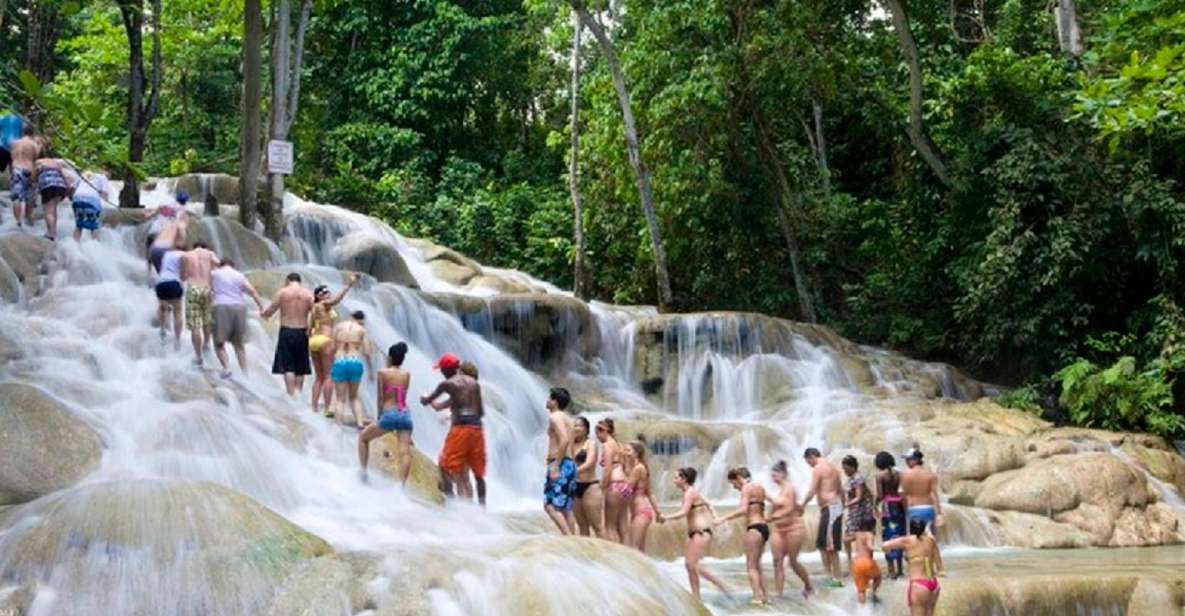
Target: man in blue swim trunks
[919, 488]
[25, 152]
[560, 483]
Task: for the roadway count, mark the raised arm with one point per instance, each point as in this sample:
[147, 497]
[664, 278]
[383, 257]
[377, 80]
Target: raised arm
[351, 280]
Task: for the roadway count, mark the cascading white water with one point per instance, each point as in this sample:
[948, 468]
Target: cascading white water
[764, 391]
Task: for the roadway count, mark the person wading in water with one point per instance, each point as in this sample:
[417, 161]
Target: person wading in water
[464, 447]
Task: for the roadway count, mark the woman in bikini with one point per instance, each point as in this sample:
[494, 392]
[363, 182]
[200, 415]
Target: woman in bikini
[700, 515]
[756, 533]
[322, 318]
[788, 531]
[393, 415]
[588, 501]
[644, 510]
[921, 592]
[619, 492]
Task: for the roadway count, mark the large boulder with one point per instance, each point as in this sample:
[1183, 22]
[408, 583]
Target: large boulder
[222, 187]
[25, 259]
[424, 479]
[368, 254]
[229, 238]
[165, 547]
[44, 446]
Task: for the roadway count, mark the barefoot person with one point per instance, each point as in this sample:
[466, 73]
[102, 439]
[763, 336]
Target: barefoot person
[858, 509]
[587, 501]
[643, 509]
[54, 184]
[921, 552]
[196, 266]
[87, 201]
[700, 517]
[892, 509]
[464, 447]
[292, 347]
[825, 486]
[322, 318]
[864, 569]
[25, 152]
[393, 382]
[230, 313]
[788, 532]
[919, 486]
[560, 481]
[168, 294]
[614, 484]
[756, 533]
[352, 359]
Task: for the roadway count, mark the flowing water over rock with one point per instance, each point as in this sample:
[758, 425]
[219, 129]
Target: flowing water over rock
[139, 484]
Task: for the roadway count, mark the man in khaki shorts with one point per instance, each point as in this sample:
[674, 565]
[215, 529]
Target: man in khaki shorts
[195, 271]
[230, 313]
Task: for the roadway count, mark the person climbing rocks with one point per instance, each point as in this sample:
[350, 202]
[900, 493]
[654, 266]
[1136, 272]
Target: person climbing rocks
[87, 201]
[53, 179]
[294, 302]
[464, 447]
[752, 508]
[858, 509]
[230, 313]
[560, 482]
[322, 318]
[196, 265]
[169, 293]
[24, 153]
[351, 362]
[892, 509]
[826, 487]
[919, 486]
[162, 219]
[393, 382]
[700, 521]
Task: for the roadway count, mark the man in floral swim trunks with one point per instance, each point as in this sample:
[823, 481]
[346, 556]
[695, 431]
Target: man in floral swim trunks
[560, 484]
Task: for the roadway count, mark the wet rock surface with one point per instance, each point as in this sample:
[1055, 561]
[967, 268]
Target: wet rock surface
[44, 446]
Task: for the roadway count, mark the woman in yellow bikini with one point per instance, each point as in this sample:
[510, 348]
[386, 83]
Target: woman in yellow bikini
[921, 592]
[322, 318]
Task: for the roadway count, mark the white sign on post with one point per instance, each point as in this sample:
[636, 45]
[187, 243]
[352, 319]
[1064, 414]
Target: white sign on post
[279, 157]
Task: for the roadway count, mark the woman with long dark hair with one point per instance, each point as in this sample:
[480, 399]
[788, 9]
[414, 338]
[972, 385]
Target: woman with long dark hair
[588, 501]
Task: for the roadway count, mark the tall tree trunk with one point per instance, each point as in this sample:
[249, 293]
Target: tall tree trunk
[1069, 37]
[140, 112]
[249, 128]
[43, 23]
[916, 130]
[285, 97]
[788, 202]
[819, 144]
[633, 145]
[579, 276]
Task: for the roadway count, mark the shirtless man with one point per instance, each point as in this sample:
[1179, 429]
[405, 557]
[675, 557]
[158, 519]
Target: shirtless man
[464, 447]
[199, 312]
[25, 152]
[825, 484]
[292, 347]
[560, 484]
[353, 350]
[919, 488]
[55, 179]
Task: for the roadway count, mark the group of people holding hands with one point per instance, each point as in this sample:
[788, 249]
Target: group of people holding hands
[620, 506]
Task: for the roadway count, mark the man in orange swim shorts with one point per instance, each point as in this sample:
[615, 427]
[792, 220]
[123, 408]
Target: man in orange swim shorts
[464, 447]
[864, 569]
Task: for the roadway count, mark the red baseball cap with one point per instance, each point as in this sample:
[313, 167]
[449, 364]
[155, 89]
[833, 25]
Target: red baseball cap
[448, 360]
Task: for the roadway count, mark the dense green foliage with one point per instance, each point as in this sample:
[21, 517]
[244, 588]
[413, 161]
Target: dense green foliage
[1063, 226]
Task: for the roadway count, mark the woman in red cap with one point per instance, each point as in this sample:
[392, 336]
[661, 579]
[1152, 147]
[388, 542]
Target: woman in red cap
[464, 447]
